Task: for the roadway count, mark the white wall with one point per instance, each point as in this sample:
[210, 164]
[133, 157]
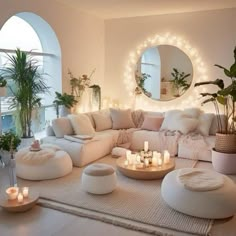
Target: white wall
[211, 33]
[81, 36]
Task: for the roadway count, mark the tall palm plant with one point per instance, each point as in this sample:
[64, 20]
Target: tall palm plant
[23, 70]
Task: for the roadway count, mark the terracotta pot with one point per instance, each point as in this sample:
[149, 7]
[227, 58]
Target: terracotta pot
[225, 143]
[224, 163]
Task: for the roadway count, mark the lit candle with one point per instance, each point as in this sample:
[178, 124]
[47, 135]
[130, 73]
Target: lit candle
[20, 198]
[159, 162]
[128, 153]
[146, 162]
[126, 163]
[166, 157]
[12, 193]
[154, 160]
[138, 159]
[146, 146]
[25, 191]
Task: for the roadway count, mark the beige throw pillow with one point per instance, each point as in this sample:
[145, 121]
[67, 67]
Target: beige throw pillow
[152, 123]
[102, 121]
[121, 119]
[62, 126]
[81, 124]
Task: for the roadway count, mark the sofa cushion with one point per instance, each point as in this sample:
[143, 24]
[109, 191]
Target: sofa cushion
[169, 117]
[177, 121]
[204, 124]
[194, 112]
[81, 124]
[152, 123]
[102, 121]
[62, 126]
[121, 119]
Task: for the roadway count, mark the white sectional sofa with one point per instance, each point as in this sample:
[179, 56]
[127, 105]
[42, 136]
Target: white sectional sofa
[188, 134]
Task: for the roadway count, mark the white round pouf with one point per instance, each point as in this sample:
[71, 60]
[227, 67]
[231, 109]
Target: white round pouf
[99, 179]
[49, 163]
[217, 203]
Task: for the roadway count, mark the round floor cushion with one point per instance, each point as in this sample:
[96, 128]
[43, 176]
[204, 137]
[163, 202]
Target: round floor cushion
[99, 179]
[200, 192]
[49, 162]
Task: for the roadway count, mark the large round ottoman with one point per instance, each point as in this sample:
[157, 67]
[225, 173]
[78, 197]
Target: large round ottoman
[49, 163]
[200, 192]
[99, 179]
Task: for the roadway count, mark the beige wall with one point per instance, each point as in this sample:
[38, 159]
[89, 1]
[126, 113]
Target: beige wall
[81, 36]
[211, 33]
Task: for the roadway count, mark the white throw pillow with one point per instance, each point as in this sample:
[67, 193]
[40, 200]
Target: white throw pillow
[194, 112]
[184, 124]
[102, 121]
[81, 124]
[121, 119]
[62, 126]
[170, 116]
[204, 125]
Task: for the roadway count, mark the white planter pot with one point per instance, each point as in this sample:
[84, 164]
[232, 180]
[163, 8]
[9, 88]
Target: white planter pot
[224, 163]
[26, 142]
[64, 111]
[6, 156]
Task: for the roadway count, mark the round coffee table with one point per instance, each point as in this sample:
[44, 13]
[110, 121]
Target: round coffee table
[148, 173]
[14, 206]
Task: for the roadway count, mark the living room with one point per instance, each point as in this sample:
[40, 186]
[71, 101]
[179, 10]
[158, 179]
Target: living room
[109, 37]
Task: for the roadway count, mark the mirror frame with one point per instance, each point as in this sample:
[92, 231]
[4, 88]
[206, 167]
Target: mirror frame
[189, 99]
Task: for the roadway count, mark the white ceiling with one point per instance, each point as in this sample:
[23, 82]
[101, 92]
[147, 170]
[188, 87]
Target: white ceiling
[108, 9]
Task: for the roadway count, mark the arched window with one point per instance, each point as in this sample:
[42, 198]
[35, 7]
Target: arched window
[32, 34]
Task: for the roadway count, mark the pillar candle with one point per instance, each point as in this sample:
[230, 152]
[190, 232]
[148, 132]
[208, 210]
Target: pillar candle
[166, 157]
[126, 163]
[25, 191]
[20, 198]
[159, 161]
[128, 153]
[146, 162]
[146, 146]
[154, 160]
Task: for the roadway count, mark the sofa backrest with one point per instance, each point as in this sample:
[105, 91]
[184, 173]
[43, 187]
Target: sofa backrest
[62, 126]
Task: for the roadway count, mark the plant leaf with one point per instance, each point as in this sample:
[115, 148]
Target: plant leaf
[222, 100]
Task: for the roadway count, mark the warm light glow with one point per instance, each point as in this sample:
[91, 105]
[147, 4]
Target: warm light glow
[199, 74]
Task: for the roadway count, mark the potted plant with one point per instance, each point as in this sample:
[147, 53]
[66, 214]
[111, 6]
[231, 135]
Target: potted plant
[28, 83]
[179, 81]
[65, 102]
[8, 145]
[140, 80]
[224, 97]
[96, 95]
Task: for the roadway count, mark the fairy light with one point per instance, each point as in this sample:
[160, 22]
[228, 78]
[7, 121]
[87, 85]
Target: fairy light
[189, 98]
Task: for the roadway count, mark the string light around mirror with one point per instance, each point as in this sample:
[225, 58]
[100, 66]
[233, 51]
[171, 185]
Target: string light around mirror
[190, 98]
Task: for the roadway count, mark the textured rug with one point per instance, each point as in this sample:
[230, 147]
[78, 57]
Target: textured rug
[134, 204]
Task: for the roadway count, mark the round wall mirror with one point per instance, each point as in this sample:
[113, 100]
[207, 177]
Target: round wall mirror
[163, 73]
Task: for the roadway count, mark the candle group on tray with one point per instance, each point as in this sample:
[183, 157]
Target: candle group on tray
[13, 193]
[146, 158]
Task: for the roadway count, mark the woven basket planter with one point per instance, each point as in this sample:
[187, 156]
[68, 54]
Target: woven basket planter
[225, 143]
